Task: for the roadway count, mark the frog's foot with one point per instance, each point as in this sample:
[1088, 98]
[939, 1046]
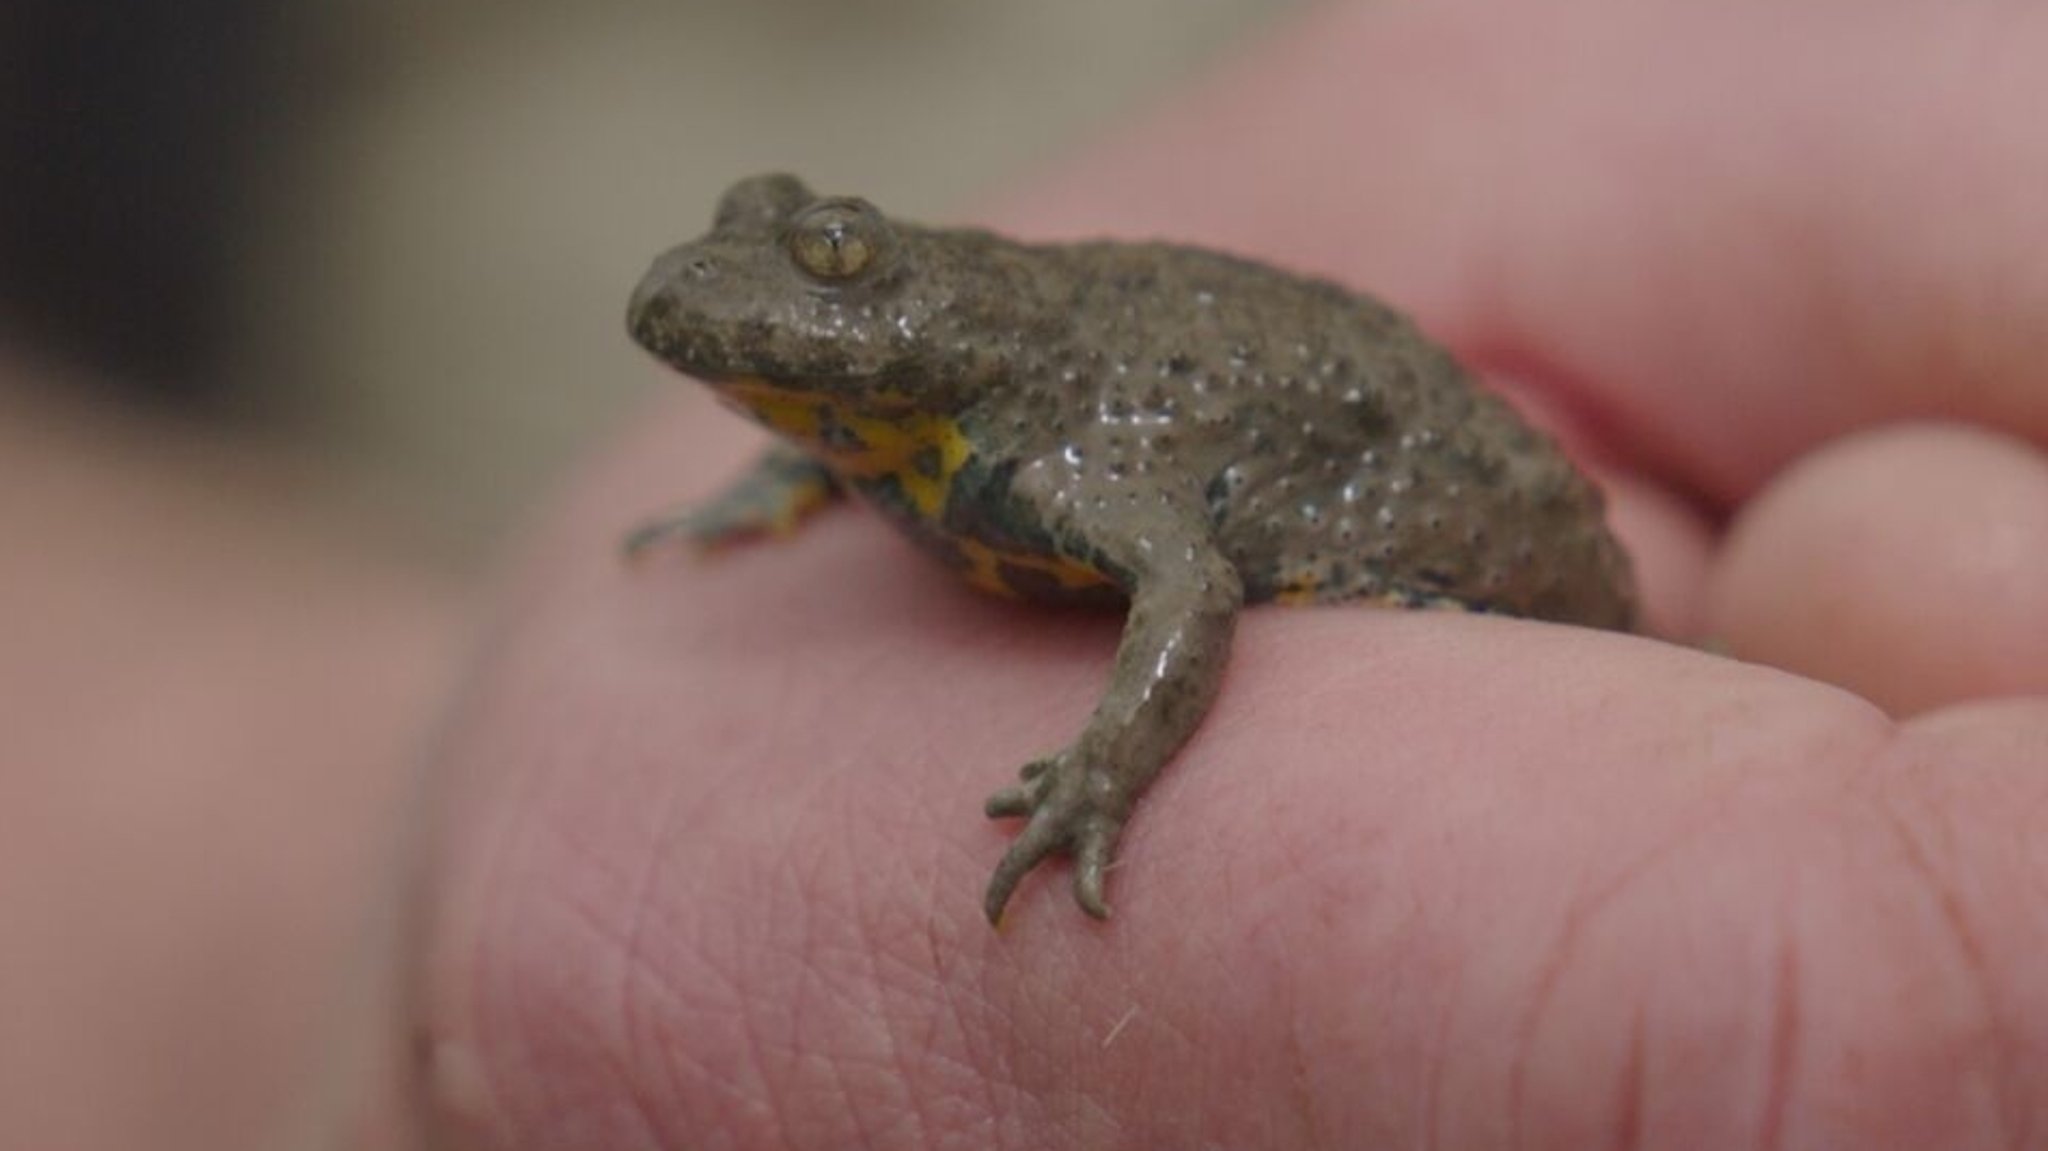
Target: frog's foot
[781, 490]
[707, 529]
[1070, 807]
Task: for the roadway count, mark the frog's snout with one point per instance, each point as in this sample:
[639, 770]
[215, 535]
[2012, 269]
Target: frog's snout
[651, 313]
[651, 310]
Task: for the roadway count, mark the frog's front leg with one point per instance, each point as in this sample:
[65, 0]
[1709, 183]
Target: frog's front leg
[1184, 602]
[778, 492]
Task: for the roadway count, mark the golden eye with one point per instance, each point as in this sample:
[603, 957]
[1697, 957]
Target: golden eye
[834, 241]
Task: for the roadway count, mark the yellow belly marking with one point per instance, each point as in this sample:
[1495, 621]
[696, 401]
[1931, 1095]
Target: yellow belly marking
[884, 446]
[921, 452]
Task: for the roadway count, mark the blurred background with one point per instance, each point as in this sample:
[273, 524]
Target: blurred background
[301, 308]
[399, 237]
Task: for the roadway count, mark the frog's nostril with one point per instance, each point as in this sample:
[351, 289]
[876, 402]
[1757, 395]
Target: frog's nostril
[701, 267]
[650, 309]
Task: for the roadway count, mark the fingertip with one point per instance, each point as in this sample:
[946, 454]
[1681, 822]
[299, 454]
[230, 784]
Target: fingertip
[1903, 564]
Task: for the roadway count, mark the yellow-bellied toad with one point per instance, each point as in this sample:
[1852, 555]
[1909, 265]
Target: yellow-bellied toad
[1143, 423]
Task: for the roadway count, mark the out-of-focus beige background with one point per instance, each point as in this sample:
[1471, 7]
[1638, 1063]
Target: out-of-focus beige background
[439, 269]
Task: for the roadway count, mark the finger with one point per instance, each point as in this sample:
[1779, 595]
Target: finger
[210, 693]
[1392, 919]
[1717, 234]
[1906, 565]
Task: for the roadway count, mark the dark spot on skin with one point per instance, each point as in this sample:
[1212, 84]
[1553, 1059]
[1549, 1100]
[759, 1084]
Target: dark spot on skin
[835, 435]
[1217, 494]
[927, 462]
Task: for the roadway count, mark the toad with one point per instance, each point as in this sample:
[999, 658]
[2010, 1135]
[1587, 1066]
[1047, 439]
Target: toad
[1172, 430]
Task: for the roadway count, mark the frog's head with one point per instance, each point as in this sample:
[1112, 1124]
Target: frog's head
[793, 299]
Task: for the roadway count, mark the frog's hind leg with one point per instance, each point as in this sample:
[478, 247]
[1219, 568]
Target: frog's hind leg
[773, 497]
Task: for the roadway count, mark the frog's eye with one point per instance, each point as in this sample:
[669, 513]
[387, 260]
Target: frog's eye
[836, 240]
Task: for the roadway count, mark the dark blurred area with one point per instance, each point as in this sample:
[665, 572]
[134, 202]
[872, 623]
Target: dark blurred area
[390, 242]
[127, 134]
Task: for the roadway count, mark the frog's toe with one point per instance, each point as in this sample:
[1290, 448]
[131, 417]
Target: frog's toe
[1024, 798]
[704, 530]
[657, 533]
[1040, 838]
[1060, 820]
[1093, 850]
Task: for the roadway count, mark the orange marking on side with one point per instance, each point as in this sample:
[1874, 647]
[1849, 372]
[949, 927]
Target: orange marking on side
[985, 569]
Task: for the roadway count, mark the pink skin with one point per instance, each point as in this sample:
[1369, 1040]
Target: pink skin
[211, 687]
[713, 852]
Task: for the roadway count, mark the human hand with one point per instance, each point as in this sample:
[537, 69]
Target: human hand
[714, 859]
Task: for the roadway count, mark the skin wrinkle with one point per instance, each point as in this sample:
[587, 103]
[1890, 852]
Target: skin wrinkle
[964, 1072]
[551, 1014]
[678, 1067]
[1550, 975]
[644, 1108]
[1962, 938]
[867, 958]
[810, 1001]
[1162, 1028]
[1010, 1048]
[635, 957]
[498, 897]
[721, 1082]
[775, 1102]
[931, 1037]
[837, 1070]
[1578, 914]
[582, 912]
[1300, 1084]
[678, 824]
[956, 996]
[1783, 1064]
[1714, 808]
[907, 1056]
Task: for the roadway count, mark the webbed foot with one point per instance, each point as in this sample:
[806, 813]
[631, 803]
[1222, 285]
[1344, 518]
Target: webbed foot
[1070, 808]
